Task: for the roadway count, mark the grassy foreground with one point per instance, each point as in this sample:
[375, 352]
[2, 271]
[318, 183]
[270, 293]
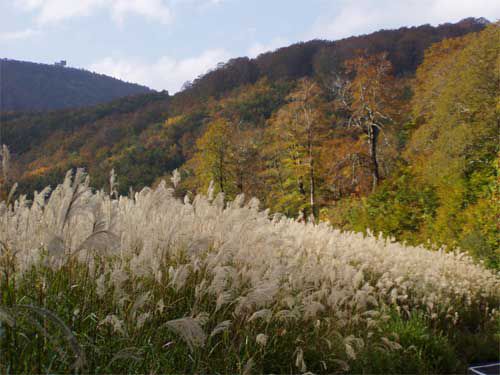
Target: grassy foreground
[94, 284]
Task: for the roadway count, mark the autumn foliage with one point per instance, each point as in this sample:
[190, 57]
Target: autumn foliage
[347, 132]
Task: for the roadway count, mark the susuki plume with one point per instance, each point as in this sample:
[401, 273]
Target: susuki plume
[259, 270]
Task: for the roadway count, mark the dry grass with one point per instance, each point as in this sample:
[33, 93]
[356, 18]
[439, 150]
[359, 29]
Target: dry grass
[152, 283]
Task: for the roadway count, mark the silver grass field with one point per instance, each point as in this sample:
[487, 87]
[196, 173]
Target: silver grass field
[96, 282]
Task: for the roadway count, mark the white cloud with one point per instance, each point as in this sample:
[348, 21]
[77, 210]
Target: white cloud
[257, 48]
[52, 11]
[347, 18]
[165, 73]
[10, 36]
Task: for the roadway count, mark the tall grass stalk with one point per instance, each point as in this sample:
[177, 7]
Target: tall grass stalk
[97, 283]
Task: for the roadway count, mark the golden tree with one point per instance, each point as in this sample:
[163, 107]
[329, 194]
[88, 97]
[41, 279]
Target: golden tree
[295, 137]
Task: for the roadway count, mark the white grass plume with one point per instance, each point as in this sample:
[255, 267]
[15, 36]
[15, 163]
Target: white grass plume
[190, 330]
[243, 262]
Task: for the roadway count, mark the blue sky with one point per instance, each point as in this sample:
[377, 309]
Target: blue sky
[164, 43]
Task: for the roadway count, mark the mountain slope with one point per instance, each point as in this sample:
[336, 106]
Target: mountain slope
[129, 132]
[233, 126]
[27, 86]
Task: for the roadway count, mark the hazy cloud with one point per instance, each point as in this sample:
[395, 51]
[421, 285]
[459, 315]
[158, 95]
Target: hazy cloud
[165, 73]
[202, 3]
[51, 11]
[345, 18]
[17, 35]
[152, 9]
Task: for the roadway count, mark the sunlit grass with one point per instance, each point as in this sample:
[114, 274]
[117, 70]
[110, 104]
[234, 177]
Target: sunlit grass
[153, 284]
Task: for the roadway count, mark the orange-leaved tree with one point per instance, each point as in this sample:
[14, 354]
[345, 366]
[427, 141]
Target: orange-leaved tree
[373, 100]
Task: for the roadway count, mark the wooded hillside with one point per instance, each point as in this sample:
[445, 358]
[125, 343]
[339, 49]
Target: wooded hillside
[396, 132]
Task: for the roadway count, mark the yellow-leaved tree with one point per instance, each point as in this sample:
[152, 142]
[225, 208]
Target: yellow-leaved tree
[456, 144]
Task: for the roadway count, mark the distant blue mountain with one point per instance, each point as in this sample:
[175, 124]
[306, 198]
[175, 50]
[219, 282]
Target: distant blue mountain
[27, 86]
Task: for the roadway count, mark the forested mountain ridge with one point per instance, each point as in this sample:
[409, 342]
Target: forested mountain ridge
[280, 68]
[349, 131]
[405, 49]
[27, 86]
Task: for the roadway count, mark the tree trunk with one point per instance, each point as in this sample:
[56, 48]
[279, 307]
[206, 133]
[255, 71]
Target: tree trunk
[221, 173]
[239, 184]
[300, 185]
[311, 174]
[372, 140]
[311, 184]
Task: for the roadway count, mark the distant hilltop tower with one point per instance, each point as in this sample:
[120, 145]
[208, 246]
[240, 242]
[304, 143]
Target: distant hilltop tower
[60, 63]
